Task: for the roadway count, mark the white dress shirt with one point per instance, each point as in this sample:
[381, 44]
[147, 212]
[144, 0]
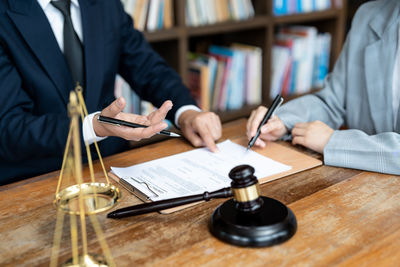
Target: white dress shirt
[56, 20]
[396, 83]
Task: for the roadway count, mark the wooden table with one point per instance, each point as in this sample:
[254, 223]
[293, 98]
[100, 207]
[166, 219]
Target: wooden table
[345, 217]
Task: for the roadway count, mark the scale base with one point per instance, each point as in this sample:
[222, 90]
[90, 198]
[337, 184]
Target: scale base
[88, 260]
[272, 224]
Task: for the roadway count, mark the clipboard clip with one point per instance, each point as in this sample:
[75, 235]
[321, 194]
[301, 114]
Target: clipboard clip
[135, 190]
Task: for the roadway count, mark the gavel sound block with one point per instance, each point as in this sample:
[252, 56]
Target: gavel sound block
[249, 219]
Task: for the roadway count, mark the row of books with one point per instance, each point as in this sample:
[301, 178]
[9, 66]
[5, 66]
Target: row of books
[202, 12]
[286, 7]
[300, 60]
[150, 15]
[227, 77]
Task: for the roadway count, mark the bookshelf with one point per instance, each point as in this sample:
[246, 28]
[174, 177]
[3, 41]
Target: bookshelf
[174, 43]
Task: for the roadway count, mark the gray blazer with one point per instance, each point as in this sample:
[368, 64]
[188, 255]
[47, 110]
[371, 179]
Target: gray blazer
[358, 94]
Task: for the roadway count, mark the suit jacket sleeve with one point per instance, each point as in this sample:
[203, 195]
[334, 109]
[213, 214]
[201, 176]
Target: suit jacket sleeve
[23, 134]
[346, 148]
[147, 73]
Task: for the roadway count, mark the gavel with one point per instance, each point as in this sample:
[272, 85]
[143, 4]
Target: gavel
[248, 219]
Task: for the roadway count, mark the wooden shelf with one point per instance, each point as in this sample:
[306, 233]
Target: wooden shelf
[163, 35]
[229, 27]
[174, 44]
[308, 17]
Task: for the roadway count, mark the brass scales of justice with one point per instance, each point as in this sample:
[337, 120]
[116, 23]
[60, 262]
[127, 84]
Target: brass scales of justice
[81, 199]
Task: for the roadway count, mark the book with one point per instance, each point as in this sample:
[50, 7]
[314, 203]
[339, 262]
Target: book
[143, 15]
[321, 59]
[226, 100]
[160, 18]
[280, 7]
[153, 15]
[218, 85]
[136, 13]
[198, 84]
[168, 14]
[222, 97]
[192, 18]
[279, 67]
[308, 61]
[304, 55]
[287, 7]
[253, 73]
[203, 12]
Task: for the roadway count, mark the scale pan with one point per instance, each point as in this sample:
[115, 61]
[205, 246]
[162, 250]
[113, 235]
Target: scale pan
[97, 197]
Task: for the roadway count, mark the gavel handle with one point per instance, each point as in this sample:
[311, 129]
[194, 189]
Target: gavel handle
[168, 203]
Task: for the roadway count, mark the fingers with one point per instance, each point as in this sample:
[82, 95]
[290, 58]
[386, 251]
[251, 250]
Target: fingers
[208, 139]
[208, 127]
[114, 108]
[300, 134]
[299, 140]
[297, 131]
[254, 121]
[137, 134]
[313, 135]
[193, 137]
[301, 125]
[201, 128]
[160, 114]
[134, 134]
[259, 142]
[271, 131]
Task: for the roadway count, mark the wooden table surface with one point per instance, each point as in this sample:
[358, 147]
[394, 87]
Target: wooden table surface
[345, 217]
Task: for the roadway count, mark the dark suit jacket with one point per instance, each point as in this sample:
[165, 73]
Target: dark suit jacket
[35, 81]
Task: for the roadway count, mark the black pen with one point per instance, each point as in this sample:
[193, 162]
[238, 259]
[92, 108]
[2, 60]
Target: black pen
[113, 121]
[275, 104]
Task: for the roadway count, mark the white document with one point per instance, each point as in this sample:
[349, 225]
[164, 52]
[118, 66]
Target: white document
[195, 171]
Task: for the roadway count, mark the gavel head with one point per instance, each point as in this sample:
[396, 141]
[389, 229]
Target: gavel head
[245, 189]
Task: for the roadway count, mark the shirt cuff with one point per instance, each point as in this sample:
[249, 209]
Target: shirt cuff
[183, 109]
[87, 129]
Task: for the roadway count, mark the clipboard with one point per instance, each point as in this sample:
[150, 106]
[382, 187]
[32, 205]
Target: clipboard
[298, 161]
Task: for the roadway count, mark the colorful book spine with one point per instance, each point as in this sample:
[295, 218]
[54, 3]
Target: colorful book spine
[203, 12]
[150, 15]
[233, 77]
[287, 7]
[307, 64]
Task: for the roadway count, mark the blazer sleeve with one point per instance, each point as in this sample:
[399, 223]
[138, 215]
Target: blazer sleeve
[355, 149]
[146, 72]
[24, 135]
[346, 148]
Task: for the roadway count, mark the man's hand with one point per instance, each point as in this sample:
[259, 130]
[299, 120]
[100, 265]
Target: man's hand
[201, 128]
[154, 121]
[273, 130]
[313, 135]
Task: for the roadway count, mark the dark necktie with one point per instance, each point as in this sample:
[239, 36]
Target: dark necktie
[73, 50]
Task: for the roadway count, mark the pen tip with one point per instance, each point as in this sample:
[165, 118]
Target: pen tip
[175, 135]
[111, 215]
